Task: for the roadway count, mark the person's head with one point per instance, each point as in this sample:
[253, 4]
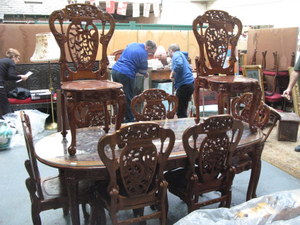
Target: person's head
[13, 54]
[173, 48]
[150, 46]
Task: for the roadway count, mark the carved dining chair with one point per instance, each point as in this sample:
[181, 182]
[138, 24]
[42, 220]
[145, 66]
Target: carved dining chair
[149, 105]
[265, 118]
[217, 34]
[48, 193]
[209, 146]
[83, 33]
[135, 171]
[117, 53]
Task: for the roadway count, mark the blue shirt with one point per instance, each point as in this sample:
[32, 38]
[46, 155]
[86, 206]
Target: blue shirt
[181, 67]
[134, 59]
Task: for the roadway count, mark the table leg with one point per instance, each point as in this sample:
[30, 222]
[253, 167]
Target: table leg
[121, 105]
[72, 189]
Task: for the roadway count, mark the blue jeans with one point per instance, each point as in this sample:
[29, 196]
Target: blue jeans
[128, 88]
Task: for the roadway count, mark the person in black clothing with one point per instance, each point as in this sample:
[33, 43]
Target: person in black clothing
[8, 72]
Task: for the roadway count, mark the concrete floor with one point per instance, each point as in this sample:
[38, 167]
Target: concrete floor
[15, 206]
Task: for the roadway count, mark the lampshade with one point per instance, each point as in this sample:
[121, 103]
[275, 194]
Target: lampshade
[46, 48]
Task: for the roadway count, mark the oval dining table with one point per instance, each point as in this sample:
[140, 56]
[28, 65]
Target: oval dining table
[52, 150]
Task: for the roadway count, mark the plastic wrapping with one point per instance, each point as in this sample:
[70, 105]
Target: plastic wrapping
[278, 208]
[37, 121]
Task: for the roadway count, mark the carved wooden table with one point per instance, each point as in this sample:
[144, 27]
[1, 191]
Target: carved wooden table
[52, 150]
[227, 85]
[92, 91]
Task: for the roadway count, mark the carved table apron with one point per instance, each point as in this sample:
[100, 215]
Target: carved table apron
[52, 150]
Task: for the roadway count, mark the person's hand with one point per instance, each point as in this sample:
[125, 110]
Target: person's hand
[287, 94]
[146, 75]
[172, 75]
[24, 77]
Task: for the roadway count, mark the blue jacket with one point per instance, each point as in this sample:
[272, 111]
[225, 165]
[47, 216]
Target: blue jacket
[183, 72]
[134, 59]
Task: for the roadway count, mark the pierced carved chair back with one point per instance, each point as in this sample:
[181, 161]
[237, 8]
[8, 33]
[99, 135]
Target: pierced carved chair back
[265, 117]
[149, 105]
[209, 146]
[82, 40]
[136, 168]
[31, 165]
[216, 33]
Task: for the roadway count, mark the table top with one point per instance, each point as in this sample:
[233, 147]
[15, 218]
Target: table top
[52, 149]
[230, 79]
[90, 85]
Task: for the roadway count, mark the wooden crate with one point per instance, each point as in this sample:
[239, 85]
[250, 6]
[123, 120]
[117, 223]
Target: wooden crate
[288, 127]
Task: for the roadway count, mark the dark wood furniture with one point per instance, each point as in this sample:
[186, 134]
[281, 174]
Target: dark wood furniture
[272, 80]
[48, 193]
[209, 168]
[288, 127]
[149, 105]
[86, 164]
[217, 34]
[117, 53]
[86, 93]
[265, 119]
[136, 171]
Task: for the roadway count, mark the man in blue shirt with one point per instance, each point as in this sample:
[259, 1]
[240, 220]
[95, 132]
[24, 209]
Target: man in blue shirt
[183, 78]
[134, 59]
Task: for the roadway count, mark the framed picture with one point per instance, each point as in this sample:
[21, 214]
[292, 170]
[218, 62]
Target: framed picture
[295, 94]
[255, 72]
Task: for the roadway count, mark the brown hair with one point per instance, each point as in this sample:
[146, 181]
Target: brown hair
[11, 52]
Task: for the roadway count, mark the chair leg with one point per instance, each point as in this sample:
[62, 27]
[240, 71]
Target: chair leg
[85, 213]
[97, 216]
[139, 212]
[35, 214]
[66, 210]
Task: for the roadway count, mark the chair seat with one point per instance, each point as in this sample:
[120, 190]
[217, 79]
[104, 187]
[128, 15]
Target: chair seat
[90, 85]
[273, 98]
[53, 187]
[273, 73]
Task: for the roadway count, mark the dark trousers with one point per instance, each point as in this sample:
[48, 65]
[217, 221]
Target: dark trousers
[128, 88]
[4, 103]
[184, 94]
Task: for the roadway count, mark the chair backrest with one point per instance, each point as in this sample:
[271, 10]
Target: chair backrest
[80, 30]
[217, 34]
[117, 53]
[149, 105]
[138, 161]
[31, 164]
[210, 144]
[266, 117]
[270, 75]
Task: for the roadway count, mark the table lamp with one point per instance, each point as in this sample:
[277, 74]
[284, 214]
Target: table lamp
[47, 50]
